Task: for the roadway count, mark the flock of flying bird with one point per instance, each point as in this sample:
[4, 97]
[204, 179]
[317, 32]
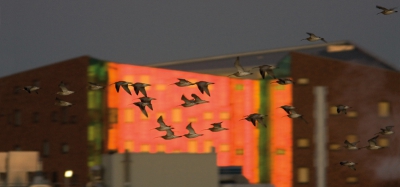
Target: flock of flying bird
[264, 70]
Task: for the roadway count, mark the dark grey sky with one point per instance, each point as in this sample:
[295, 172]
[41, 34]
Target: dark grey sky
[36, 33]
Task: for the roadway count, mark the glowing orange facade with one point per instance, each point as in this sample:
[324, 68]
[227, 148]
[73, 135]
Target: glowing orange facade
[231, 99]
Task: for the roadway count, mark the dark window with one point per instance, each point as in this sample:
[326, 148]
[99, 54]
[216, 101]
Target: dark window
[54, 116]
[17, 148]
[64, 148]
[113, 115]
[64, 115]
[73, 119]
[46, 148]
[17, 117]
[35, 117]
[17, 89]
[36, 83]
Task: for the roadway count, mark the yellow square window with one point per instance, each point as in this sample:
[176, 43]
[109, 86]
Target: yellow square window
[208, 115]
[224, 115]
[192, 146]
[128, 115]
[383, 109]
[303, 175]
[208, 144]
[176, 115]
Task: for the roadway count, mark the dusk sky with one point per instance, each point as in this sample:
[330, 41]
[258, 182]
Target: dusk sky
[37, 33]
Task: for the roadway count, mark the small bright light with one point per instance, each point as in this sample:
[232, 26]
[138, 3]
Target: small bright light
[68, 173]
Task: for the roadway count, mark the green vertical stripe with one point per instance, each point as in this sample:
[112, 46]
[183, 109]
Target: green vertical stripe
[97, 72]
[265, 135]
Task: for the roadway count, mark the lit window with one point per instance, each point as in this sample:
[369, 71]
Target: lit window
[145, 148]
[383, 109]
[17, 117]
[161, 114]
[352, 138]
[280, 151]
[339, 48]
[192, 119]
[113, 115]
[279, 87]
[128, 78]
[239, 151]
[351, 179]
[302, 81]
[303, 142]
[129, 145]
[224, 148]
[383, 142]
[333, 110]
[208, 146]
[160, 87]
[224, 115]
[192, 146]
[334, 147]
[352, 114]
[302, 175]
[239, 87]
[46, 148]
[35, 117]
[161, 148]
[208, 115]
[145, 79]
[128, 115]
[64, 148]
[176, 115]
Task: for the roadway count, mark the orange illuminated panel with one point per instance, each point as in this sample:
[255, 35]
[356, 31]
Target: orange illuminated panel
[281, 137]
[230, 100]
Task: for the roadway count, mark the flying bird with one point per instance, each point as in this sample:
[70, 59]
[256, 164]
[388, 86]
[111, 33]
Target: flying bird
[266, 70]
[142, 107]
[163, 126]
[183, 83]
[312, 38]
[240, 70]
[95, 86]
[284, 81]
[203, 87]
[293, 114]
[187, 102]
[122, 84]
[170, 135]
[192, 133]
[29, 89]
[255, 117]
[147, 101]
[386, 131]
[140, 87]
[342, 108]
[351, 146]
[386, 11]
[64, 90]
[216, 127]
[60, 102]
[198, 100]
[349, 164]
[372, 144]
[288, 109]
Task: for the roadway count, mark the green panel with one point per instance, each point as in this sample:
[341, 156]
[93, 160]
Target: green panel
[97, 73]
[264, 147]
[264, 140]
[284, 67]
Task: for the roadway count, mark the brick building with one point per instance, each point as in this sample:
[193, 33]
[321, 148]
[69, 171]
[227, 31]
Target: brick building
[286, 153]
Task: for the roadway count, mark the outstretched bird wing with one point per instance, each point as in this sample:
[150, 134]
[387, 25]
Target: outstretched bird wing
[238, 66]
